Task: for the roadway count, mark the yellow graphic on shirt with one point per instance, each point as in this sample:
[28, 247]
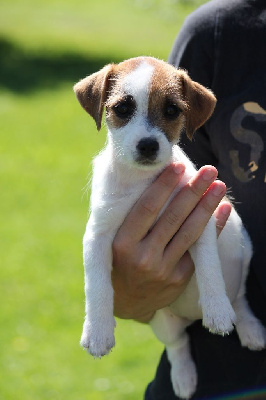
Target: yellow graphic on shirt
[247, 137]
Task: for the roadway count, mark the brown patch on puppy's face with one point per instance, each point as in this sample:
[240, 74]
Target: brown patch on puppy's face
[94, 91]
[120, 108]
[174, 100]
[166, 107]
[120, 105]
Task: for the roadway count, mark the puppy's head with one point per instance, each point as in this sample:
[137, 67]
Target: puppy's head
[148, 102]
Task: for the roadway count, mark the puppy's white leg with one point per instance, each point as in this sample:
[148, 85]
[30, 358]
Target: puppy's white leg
[170, 330]
[98, 329]
[218, 314]
[251, 332]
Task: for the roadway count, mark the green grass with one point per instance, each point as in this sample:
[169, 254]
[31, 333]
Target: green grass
[47, 144]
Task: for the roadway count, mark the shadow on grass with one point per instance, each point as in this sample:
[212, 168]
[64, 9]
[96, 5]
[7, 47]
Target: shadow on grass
[23, 72]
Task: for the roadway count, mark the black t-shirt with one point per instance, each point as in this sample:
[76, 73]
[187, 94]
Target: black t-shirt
[222, 45]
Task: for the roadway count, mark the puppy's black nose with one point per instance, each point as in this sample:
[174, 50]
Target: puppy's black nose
[148, 148]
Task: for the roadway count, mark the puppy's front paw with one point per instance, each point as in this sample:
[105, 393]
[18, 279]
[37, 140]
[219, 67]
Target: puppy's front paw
[184, 379]
[98, 340]
[218, 315]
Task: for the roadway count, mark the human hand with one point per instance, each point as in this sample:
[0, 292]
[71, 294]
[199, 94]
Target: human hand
[151, 267]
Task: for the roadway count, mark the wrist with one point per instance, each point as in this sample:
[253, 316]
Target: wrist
[128, 313]
[146, 318]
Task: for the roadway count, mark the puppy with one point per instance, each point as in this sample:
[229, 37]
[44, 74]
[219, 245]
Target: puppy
[148, 103]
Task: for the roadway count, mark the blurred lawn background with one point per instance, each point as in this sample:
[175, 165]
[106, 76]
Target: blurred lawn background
[47, 143]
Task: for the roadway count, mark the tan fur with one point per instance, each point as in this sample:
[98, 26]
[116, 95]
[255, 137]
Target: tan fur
[165, 86]
[91, 92]
[113, 119]
[200, 100]
[104, 88]
[175, 84]
[132, 158]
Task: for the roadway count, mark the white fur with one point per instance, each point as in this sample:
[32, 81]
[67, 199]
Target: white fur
[124, 140]
[220, 266]
[135, 84]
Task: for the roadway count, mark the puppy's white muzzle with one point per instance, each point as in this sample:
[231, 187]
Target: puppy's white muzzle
[136, 145]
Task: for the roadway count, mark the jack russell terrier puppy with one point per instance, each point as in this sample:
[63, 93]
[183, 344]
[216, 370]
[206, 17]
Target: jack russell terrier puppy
[148, 103]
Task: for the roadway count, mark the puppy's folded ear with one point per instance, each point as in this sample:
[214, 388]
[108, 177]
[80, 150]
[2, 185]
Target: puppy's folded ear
[91, 92]
[200, 103]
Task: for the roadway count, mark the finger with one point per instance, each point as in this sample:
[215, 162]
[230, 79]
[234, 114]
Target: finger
[181, 206]
[194, 225]
[222, 213]
[183, 271]
[145, 211]
[176, 282]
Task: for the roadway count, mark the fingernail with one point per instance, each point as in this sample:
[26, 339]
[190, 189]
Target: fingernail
[179, 168]
[209, 174]
[226, 209]
[217, 190]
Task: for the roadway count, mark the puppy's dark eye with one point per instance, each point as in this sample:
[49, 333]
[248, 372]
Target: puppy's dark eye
[122, 108]
[171, 111]
[125, 108]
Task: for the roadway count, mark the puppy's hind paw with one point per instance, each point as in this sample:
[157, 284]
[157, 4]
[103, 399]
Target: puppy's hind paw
[252, 334]
[184, 379]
